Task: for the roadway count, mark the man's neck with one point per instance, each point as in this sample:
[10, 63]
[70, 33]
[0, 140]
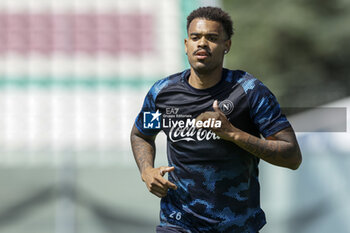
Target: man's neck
[204, 81]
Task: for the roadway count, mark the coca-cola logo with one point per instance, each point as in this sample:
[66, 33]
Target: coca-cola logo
[186, 128]
[188, 134]
[191, 130]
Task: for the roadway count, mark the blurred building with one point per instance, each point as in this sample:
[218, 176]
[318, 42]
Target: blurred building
[73, 75]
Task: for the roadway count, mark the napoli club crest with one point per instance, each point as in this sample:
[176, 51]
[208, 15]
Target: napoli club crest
[226, 106]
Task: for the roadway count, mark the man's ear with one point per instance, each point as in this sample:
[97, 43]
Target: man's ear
[185, 42]
[228, 45]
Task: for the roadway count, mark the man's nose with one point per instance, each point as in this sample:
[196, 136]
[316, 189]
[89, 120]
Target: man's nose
[202, 42]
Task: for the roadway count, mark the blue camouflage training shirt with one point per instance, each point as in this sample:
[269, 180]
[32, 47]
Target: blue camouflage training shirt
[218, 187]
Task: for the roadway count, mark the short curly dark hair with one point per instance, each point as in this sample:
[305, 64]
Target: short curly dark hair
[214, 14]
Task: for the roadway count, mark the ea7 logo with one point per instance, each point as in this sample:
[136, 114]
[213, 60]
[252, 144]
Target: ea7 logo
[151, 120]
[170, 111]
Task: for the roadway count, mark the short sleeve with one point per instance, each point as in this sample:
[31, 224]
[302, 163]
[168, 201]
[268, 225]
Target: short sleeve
[265, 111]
[148, 121]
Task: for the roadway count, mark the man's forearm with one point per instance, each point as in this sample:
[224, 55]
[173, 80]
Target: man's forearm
[143, 150]
[277, 152]
[280, 149]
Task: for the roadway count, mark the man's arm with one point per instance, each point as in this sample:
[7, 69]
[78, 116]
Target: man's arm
[280, 149]
[143, 148]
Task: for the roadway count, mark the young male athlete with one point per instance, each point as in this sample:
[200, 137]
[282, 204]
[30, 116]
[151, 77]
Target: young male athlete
[213, 118]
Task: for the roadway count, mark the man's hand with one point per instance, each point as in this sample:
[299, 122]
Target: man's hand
[226, 129]
[280, 149]
[155, 182]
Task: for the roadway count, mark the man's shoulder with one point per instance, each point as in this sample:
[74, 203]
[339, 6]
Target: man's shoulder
[246, 80]
[161, 84]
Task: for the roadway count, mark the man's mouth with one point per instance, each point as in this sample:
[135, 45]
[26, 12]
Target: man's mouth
[201, 54]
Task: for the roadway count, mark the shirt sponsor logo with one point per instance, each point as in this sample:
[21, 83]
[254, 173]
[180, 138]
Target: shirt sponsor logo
[152, 120]
[191, 130]
[191, 134]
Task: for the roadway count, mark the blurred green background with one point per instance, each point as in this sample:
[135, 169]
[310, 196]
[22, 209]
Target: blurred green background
[300, 49]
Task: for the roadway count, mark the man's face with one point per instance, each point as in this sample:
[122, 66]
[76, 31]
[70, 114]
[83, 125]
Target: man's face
[206, 45]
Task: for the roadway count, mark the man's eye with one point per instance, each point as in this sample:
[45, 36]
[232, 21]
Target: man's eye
[194, 37]
[212, 38]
